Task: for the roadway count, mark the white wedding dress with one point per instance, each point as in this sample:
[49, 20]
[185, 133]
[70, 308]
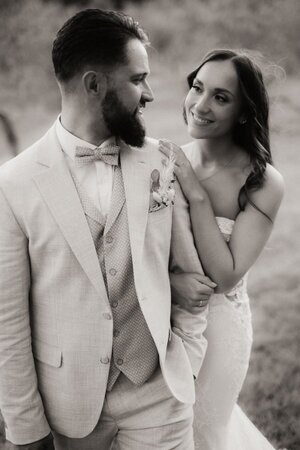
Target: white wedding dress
[219, 422]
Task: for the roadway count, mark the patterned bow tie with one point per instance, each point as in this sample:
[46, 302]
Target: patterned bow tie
[108, 154]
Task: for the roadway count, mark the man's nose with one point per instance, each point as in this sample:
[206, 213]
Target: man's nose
[147, 94]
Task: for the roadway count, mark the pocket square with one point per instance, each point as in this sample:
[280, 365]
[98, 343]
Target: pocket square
[154, 207]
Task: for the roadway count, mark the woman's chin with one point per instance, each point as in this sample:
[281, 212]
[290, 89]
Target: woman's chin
[198, 134]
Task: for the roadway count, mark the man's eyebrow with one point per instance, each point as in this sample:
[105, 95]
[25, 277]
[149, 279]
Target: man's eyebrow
[140, 75]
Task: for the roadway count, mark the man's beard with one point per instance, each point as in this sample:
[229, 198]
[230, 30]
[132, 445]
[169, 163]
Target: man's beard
[122, 123]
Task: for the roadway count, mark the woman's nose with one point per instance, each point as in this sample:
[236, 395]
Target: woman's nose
[203, 104]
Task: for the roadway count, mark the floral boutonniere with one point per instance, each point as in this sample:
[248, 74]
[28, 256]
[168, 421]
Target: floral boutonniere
[162, 185]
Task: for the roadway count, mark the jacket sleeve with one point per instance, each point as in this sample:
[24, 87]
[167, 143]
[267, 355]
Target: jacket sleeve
[20, 401]
[184, 258]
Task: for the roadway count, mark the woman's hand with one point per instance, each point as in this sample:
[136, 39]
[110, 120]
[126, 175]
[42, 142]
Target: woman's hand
[191, 290]
[183, 171]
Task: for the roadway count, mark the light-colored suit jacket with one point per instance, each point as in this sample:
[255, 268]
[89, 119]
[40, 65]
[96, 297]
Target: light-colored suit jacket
[55, 332]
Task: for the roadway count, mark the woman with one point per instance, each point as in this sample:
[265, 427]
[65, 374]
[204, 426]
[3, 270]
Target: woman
[234, 193]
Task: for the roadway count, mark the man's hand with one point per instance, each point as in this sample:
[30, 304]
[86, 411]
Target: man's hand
[43, 444]
[191, 290]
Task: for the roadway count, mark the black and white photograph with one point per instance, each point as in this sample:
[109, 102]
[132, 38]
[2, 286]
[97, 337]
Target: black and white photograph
[149, 225]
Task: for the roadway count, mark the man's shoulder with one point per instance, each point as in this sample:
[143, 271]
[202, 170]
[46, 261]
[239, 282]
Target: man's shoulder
[155, 156]
[151, 142]
[17, 166]
[149, 151]
[23, 163]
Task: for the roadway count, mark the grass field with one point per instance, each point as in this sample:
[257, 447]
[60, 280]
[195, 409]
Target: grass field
[271, 392]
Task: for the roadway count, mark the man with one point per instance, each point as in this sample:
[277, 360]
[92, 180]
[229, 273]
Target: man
[87, 354]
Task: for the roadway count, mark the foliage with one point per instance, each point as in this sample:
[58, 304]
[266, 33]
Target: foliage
[186, 30]
[114, 4]
[181, 32]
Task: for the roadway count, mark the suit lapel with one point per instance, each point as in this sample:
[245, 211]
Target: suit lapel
[136, 177]
[57, 188]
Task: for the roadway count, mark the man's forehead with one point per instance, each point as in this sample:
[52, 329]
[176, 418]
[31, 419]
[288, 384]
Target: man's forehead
[137, 57]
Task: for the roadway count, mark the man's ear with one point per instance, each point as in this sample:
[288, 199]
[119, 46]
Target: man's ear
[95, 83]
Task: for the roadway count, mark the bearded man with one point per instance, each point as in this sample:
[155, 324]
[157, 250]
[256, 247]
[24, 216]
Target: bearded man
[87, 352]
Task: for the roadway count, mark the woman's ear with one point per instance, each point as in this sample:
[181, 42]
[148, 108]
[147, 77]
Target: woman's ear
[242, 120]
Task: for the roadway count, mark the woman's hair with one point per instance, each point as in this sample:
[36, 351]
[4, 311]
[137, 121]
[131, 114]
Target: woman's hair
[253, 134]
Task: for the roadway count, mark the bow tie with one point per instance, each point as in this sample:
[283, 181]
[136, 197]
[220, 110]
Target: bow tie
[108, 154]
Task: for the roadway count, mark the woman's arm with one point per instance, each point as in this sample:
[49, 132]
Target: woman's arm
[227, 263]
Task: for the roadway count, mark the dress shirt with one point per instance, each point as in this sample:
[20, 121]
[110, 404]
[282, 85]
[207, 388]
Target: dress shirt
[96, 178]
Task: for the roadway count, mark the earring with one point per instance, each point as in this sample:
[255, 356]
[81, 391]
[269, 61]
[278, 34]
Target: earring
[243, 121]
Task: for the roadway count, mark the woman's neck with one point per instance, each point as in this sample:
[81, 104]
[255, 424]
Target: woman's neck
[216, 151]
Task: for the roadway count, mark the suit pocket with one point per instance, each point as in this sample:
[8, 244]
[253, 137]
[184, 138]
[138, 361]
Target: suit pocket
[45, 353]
[159, 215]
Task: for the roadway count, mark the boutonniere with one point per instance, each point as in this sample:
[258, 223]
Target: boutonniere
[162, 185]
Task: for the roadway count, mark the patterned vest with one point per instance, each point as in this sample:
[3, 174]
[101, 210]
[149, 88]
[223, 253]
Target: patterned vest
[134, 352]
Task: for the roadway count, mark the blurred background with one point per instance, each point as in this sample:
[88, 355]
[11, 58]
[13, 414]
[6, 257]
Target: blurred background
[181, 31]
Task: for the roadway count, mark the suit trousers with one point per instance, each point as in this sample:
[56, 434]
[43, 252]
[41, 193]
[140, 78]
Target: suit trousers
[138, 418]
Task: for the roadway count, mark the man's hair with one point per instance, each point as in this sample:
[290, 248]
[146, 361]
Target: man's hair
[93, 36]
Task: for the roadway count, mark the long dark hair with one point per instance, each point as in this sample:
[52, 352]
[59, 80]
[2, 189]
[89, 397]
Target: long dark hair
[253, 134]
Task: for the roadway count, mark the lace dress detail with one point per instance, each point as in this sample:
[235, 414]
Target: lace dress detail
[229, 336]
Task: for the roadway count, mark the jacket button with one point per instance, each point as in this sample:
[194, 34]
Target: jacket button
[107, 316]
[104, 360]
[114, 304]
[120, 361]
[109, 239]
[112, 272]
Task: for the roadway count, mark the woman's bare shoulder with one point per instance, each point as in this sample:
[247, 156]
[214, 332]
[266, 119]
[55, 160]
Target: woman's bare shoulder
[270, 195]
[274, 182]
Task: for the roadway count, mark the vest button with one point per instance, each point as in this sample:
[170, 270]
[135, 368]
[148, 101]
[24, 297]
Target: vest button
[114, 304]
[112, 272]
[109, 239]
[104, 360]
[120, 361]
[107, 316]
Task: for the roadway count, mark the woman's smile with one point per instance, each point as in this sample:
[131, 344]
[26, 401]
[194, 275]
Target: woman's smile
[199, 120]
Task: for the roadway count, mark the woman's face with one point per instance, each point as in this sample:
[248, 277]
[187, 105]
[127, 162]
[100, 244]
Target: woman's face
[213, 104]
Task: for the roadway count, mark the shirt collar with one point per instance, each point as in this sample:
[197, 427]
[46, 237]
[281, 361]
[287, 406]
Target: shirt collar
[69, 141]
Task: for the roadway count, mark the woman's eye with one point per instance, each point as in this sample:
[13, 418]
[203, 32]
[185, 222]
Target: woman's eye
[196, 88]
[221, 99]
